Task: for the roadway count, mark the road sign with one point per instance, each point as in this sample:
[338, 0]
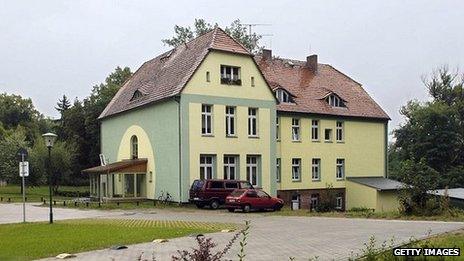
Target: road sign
[24, 169]
[22, 153]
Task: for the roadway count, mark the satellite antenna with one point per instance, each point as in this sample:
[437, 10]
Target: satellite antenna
[102, 160]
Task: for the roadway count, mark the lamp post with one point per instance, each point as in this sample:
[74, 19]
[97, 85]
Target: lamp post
[49, 141]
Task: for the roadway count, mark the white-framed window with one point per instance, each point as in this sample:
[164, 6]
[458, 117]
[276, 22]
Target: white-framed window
[295, 129]
[253, 122]
[283, 96]
[335, 101]
[339, 202]
[296, 169]
[340, 169]
[316, 169]
[206, 166]
[230, 121]
[206, 119]
[208, 77]
[252, 169]
[339, 131]
[230, 75]
[134, 147]
[328, 134]
[277, 128]
[315, 130]
[252, 81]
[278, 174]
[230, 167]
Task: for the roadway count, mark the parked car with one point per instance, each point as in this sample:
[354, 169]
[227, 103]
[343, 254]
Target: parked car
[213, 192]
[248, 199]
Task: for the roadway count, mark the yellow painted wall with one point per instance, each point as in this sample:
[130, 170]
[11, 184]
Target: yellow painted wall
[363, 149]
[387, 201]
[219, 144]
[212, 64]
[145, 150]
[360, 196]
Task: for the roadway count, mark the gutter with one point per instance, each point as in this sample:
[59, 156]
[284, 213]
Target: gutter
[179, 118]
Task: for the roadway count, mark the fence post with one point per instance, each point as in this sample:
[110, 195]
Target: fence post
[64, 203]
[9, 200]
[1, 198]
[137, 203]
[87, 204]
[99, 204]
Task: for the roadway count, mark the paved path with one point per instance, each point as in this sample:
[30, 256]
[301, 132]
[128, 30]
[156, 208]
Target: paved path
[13, 213]
[271, 237]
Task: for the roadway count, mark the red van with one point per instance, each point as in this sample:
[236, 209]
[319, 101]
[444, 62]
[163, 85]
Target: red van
[213, 192]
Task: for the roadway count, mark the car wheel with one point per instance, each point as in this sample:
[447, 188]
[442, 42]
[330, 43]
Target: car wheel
[214, 204]
[277, 207]
[246, 208]
[200, 205]
[231, 209]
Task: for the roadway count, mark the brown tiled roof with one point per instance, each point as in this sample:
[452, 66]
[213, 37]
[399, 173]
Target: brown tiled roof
[120, 166]
[309, 89]
[166, 75]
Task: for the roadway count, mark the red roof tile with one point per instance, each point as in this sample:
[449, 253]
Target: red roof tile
[167, 74]
[310, 88]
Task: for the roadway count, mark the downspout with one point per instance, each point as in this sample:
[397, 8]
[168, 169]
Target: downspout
[386, 149]
[179, 115]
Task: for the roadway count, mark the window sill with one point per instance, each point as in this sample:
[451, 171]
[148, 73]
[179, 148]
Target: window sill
[328, 141]
[296, 141]
[340, 141]
[253, 137]
[207, 135]
[296, 180]
[277, 140]
[316, 180]
[340, 179]
[316, 141]
[231, 136]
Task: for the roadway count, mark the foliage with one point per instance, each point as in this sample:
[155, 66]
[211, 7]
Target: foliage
[203, 252]
[434, 131]
[236, 30]
[45, 240]
[9, 147]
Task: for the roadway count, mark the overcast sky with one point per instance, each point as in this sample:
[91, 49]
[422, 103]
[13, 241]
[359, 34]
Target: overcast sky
[51, 48]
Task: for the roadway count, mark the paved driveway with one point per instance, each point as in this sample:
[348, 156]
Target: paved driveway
[271, 237]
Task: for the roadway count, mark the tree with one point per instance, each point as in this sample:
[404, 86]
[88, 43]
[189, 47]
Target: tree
[63, 104]
[236, 30]
[420, 179]
[434, 130]
[9, 146]
[94, 105]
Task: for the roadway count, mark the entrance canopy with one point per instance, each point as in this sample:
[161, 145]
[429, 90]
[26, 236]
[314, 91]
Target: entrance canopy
[124, 166]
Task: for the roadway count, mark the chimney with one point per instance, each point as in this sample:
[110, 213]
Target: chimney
[311, 62]
[267, 54]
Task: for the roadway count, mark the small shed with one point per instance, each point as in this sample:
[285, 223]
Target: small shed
[456, 196]
[377, 193]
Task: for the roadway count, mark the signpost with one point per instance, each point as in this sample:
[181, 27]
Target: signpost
[23, 173]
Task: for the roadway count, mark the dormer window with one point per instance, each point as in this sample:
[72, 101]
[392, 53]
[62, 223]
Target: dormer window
[283, 96]
[335, 101]
[230, 75]
[137, 95]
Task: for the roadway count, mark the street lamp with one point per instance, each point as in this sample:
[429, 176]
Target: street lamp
[49, 141]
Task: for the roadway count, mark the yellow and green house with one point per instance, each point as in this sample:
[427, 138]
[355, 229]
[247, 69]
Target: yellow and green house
[209, 109]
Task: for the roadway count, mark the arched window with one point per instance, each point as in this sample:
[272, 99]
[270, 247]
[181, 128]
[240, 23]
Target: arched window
[335, 101]
[134, 147]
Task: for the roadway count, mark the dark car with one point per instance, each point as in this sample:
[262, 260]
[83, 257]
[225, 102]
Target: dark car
[213, 192]
[248, 199]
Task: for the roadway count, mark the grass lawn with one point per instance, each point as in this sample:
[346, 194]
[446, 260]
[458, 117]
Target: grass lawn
[34, 194]
[453, 215]
[37, 240]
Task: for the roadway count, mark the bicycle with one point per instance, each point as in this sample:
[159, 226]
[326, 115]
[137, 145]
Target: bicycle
[165, 199]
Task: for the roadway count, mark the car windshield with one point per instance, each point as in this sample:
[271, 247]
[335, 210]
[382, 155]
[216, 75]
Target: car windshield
[246, 185]
[197, 184]
[237, 192]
